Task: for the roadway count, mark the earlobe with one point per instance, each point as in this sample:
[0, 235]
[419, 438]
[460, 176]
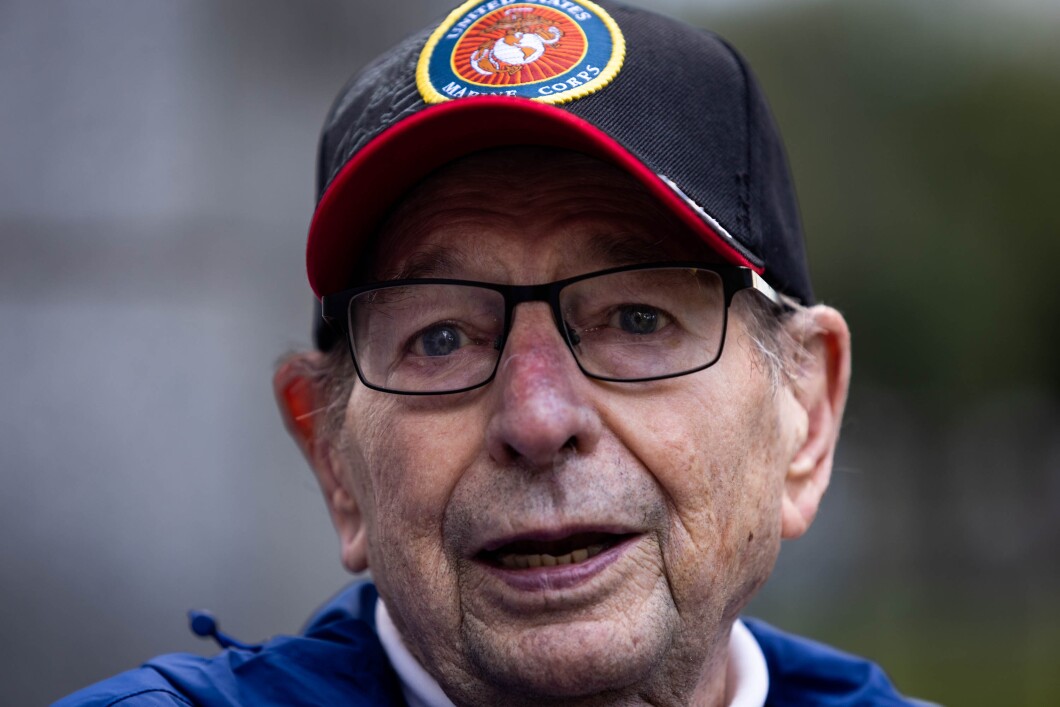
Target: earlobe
[821, 391]
[350, 527]
[334, 480]
[301, 405]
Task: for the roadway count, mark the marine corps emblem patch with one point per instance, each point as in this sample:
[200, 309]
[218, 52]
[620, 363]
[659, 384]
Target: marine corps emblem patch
[552, 51]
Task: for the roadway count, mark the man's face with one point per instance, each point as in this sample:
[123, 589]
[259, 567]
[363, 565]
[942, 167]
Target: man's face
[666, 494]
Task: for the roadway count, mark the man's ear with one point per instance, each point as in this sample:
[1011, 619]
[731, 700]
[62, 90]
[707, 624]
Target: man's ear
[820, 389]
[304, 406]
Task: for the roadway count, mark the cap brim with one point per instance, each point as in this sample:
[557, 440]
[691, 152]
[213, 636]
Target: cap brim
[367, 186]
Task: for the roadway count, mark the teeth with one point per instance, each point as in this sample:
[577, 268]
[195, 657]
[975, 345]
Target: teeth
[519, 561]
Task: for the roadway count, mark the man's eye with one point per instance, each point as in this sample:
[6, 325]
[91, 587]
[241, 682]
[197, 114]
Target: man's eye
[638, 319]
[438, 340]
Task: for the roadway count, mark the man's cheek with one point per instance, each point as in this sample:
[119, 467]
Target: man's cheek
[415, 463]
[679, 448]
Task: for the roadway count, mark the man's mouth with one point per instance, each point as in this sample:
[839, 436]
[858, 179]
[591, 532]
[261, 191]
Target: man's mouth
[570, 550]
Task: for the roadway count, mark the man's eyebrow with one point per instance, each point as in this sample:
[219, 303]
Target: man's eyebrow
[429, 261]
[613, 249]
[625, 249]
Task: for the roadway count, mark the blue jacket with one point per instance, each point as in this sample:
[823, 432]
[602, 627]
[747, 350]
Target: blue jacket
[339, 660]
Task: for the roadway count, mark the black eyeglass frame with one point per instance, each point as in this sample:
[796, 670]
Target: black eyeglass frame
[335, 311]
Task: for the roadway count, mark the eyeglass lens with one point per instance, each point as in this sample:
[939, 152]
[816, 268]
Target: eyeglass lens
[627, 325]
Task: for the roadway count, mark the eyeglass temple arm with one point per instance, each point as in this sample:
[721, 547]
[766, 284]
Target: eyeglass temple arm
[782, 301]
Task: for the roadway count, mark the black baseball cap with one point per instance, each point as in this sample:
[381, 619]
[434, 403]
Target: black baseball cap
[674, 106]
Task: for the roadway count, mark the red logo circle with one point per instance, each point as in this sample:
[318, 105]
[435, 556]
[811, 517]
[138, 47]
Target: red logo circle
[517, 45]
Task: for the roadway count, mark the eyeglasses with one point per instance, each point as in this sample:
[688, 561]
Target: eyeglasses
[628, 324]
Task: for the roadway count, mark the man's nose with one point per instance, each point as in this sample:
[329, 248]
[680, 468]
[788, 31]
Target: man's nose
[542, 412]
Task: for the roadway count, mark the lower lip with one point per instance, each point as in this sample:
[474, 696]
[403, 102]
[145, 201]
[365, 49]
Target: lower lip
[540, 579]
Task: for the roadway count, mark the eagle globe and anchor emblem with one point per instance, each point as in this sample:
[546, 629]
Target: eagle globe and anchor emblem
[549, 50]
[526, 35]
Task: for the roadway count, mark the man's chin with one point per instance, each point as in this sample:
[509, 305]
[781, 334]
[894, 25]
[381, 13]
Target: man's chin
[567, 660]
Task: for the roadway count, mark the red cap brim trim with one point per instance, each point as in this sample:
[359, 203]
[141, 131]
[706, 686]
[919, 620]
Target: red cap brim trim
[367, 186]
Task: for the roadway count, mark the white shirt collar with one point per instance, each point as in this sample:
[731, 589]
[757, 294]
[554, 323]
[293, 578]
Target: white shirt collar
[420, 689]
[747, 677]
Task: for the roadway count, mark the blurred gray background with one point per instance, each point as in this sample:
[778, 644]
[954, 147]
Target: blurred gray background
[156, 183]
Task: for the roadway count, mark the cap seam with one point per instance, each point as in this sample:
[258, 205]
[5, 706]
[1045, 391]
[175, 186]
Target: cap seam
[744, 179]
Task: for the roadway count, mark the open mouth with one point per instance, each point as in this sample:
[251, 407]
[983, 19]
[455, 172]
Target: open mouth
[571, 550]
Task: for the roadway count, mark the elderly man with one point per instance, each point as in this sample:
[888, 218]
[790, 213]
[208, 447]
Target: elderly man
[571, 390]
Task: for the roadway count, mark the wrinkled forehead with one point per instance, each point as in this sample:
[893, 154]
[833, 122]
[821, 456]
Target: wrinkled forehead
[527, 212]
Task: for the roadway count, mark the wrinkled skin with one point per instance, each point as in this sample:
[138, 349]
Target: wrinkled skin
[706, 472]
